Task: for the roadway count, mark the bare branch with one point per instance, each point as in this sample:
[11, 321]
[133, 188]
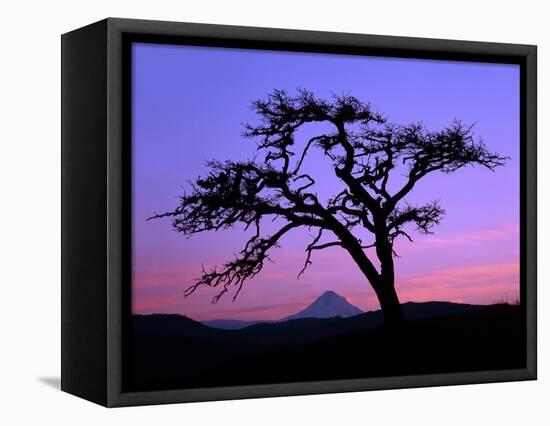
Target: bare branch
[244, 267]
[423, 217]
[309, 249]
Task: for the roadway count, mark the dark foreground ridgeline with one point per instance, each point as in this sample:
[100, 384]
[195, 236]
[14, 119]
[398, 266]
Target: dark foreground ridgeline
[173, 351]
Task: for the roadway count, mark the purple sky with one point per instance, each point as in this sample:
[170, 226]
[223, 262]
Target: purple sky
[189, 104]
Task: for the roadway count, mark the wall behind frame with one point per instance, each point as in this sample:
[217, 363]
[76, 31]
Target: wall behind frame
[30, 173]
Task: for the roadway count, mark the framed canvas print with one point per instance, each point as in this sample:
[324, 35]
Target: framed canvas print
[254, 212]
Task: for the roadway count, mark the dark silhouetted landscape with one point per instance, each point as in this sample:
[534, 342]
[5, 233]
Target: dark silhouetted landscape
[171, 351]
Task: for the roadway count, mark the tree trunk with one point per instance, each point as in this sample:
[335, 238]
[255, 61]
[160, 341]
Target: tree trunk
[382, 283]
[385, 290]
[391, 308]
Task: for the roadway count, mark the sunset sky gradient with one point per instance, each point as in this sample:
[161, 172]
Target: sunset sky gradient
[189, 104]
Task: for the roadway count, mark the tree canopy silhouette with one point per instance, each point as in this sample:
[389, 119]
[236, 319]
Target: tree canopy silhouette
[365, 153]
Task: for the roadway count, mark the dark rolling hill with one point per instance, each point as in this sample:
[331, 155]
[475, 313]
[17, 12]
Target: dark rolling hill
[172, 351]
[288, 330]
[169, 325]
[230, 324]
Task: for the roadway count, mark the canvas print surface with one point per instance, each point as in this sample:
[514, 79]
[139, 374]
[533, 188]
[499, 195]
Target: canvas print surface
[311, 217]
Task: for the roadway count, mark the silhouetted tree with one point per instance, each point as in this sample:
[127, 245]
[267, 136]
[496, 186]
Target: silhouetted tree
[365, 153]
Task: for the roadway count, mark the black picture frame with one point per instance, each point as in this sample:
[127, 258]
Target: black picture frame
[96, 144]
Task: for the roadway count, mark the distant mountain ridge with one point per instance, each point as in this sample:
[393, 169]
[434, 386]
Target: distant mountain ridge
[328, 305]
[293, 330]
